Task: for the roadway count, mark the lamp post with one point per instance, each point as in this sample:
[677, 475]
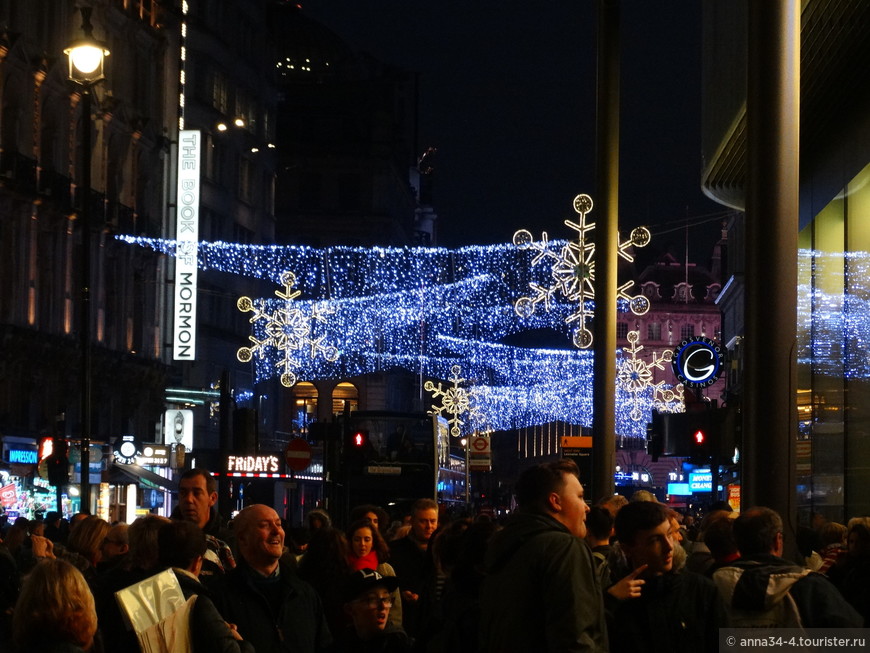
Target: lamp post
[86, 57]
[466, 443]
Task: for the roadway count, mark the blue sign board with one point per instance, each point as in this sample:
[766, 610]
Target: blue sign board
[679, 489]
[24, 456]
[701, 481]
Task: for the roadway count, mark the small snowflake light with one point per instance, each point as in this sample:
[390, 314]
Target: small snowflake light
[288, 330]
[456, 401]
[635, 376]
[572, 272]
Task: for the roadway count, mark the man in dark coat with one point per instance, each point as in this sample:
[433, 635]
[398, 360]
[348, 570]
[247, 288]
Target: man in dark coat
[411, 559]
[263, 597]
[197, 495]
[541, 592]
[678, 612]
[182, 545]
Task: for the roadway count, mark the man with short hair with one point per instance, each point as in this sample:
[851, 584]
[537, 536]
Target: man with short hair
[273, 610]
[761, 589]
[413, 563]
[197, 495]
[670, 611]
[182, 546]
[541, 592]
[599, 530]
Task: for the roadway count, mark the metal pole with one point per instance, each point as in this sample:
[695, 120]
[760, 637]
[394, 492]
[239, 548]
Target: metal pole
[85, 316]
[772, 207]
[467, 475]
[606, 244]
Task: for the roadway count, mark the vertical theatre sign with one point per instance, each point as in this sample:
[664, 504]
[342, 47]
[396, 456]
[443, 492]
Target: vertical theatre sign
[186, 239]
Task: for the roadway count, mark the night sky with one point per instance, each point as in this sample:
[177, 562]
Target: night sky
[507, 95]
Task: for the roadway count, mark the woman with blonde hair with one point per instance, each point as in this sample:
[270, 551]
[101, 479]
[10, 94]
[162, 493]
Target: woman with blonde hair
[55, 611]
[85, 544]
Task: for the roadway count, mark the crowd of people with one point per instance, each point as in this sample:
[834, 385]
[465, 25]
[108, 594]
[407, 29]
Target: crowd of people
[627, 574]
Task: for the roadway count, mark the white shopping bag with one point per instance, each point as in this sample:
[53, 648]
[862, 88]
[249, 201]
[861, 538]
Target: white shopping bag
[156, 610]
[169, 635]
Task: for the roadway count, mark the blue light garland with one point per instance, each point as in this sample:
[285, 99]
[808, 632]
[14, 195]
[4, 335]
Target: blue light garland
[425, 309]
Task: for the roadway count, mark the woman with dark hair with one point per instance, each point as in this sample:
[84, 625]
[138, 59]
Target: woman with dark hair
[851, 573]
[369, 550]
[324, 566]
[55, 611]
[376, 514]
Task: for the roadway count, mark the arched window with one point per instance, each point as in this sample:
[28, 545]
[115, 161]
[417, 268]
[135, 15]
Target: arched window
[344, 394]
[304, 406]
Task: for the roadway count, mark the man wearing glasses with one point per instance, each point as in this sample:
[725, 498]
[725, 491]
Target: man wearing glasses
[368, 605]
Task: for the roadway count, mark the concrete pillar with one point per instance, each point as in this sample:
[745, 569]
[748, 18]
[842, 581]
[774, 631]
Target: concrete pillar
[606, 217]
[772, 205]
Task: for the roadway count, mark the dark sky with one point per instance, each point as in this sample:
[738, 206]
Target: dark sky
[508, 97]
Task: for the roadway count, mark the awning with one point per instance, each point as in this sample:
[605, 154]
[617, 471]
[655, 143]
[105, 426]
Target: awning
[141, 475]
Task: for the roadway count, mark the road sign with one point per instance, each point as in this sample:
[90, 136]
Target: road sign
[480, 444]
[297, 455]
[576, 442]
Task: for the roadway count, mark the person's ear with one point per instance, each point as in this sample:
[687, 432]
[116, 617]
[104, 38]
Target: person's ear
[554, 502]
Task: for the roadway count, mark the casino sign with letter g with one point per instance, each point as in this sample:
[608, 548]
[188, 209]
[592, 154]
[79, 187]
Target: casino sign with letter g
[698, 362]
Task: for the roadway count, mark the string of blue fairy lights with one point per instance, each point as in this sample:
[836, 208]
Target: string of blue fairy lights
[426, 309]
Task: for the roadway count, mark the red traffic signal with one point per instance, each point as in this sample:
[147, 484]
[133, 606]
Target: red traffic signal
[359, 439]
[699, 437]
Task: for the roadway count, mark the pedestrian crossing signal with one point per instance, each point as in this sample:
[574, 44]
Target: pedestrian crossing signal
[700, 438]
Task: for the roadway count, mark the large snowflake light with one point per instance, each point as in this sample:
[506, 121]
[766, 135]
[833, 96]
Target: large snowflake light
[288, 329]
[635, 376]
[572, 272]
[455, 401]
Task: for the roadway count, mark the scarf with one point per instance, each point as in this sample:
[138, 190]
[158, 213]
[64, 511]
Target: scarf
[368, 561]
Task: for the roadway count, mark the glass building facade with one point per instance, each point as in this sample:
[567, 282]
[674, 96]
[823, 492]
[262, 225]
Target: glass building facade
[833, 452]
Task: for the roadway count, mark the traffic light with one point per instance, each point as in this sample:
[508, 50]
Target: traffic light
[57, 464]
[690, 435]
[357, 450]
[359, 439]
[700, 448]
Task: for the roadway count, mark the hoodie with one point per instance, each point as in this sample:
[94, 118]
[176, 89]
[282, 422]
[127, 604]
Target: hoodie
[541, 591]
[767, 591]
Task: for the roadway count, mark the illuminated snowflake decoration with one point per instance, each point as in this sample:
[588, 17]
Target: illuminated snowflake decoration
[288, 329]
[456, 401]
[572, 272]
[635, 377]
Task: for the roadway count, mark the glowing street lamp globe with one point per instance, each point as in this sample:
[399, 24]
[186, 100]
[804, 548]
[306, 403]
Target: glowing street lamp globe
[86, 56]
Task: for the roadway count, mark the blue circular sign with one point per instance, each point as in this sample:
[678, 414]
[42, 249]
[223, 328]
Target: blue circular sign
[698, 362]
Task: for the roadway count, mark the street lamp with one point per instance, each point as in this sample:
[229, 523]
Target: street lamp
[466, 443]
[86, 57]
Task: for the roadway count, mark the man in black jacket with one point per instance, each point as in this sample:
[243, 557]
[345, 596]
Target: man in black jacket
[272, 608]
[412, 560]
[674, 612]
[197, 495]
[182, 545]
[541, 592]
